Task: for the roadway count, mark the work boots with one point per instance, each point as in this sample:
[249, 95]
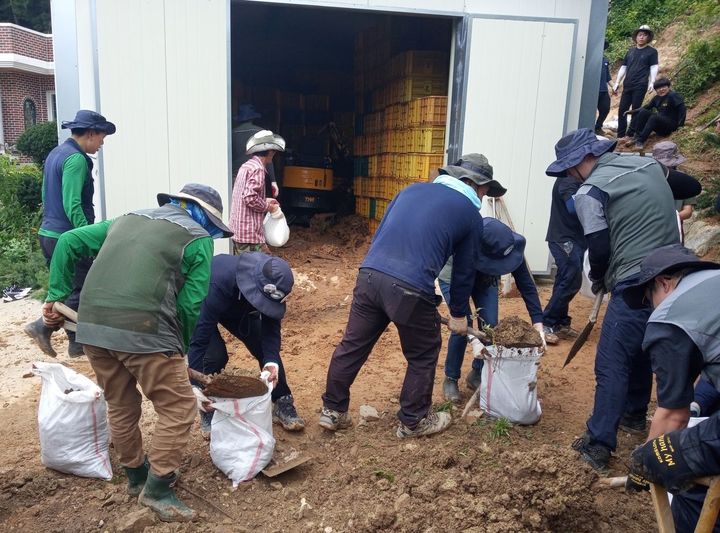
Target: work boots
[158, 494]
[633, 424]
[285, 414]
[75, 349]
[41, 334]
[593, 453]
[333, 420]
[206, 424]
[136, 478]
[473, 379]
[451, 392]
[432, 423]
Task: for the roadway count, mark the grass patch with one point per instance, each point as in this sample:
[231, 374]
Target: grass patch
[383, 474]
[445, 407]
[500, 428]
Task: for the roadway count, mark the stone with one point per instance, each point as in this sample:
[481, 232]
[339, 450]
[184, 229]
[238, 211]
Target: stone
[369, 413]
[401, 501]
[195, 460]
[136, 521]
[700, 236]
[448, 485]
[276, 485]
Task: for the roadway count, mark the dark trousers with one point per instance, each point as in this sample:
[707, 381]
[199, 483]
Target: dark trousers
[485, 297]
[568, 257]
[379, 299]
[248, 331]
[632, 97]
[645, 122]
[603, 108]
[707, 397]
[623, 375]
[686, 508]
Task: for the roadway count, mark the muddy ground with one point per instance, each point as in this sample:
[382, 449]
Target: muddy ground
[362, 479]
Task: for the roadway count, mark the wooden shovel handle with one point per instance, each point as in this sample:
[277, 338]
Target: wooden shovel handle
[471, 330]
[64, 310]
[198, 376]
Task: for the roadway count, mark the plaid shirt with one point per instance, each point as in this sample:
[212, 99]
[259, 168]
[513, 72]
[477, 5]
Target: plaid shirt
[249, 204]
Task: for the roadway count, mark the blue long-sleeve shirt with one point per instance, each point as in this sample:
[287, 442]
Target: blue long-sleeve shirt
[423, 226]
[224, 305]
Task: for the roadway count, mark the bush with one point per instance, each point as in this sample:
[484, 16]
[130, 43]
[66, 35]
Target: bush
[700, 68]
[37, 141]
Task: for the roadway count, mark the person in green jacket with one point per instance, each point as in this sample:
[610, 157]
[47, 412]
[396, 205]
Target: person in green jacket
[138, 309]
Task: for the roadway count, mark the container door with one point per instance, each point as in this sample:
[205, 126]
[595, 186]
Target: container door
[164, 68]
[513, 77]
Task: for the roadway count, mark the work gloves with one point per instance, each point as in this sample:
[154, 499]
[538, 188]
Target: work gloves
[458, 325]
[598, 287]
[661, 461]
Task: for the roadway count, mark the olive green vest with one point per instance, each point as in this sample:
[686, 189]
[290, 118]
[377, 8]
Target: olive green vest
[692, 307]
[128, 301]
[640, 211]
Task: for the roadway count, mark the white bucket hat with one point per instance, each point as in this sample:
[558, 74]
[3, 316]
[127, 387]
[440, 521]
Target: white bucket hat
[264, 140]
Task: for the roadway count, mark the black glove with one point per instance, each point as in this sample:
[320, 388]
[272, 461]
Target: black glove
[636, 483]
[598, 286]
[661, 461]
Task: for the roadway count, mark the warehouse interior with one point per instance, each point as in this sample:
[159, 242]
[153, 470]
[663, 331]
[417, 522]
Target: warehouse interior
[360, 98]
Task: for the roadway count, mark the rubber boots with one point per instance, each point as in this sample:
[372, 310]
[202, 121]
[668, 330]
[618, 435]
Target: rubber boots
[158, 494]
[136, 478]
[451, 392]
[41, 334]
[75, 349]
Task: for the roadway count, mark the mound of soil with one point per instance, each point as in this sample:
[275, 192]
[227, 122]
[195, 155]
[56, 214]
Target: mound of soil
[514, 332]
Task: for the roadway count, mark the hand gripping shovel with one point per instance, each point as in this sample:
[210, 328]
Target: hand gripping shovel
[585, 333]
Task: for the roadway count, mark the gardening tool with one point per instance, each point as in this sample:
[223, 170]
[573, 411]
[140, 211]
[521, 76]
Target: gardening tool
[283, 462]
[70, 314]
[585, 333]
[471, 330]
[661, 504]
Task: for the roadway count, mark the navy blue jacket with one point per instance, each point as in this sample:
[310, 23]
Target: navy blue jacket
[225, 305]
[54, 217]
[423, 226]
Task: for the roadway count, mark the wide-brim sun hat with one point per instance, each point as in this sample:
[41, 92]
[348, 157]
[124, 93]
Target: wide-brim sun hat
[666, 152]
[90, 120]
[646, 29]
[502, 250]
[204, 196]
[264, 140]
[476, 168]
[265, 281]
[573, 147]
[664, 260]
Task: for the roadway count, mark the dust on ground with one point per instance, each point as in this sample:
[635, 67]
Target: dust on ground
[361, 479]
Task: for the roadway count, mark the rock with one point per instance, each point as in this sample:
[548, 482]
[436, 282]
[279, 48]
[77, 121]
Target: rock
[276, 485]
[195, 460]
[369, 413]
[136, 521]
[305, 508]
[701, 236]
[328, 529]
[354, 450]
[401, 501]
[448, 485]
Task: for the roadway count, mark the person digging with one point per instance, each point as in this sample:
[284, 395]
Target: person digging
[501, 252]
[137, 312]
[67, 196]
[247, 296]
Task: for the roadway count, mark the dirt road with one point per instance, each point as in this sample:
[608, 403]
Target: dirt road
[362, 479]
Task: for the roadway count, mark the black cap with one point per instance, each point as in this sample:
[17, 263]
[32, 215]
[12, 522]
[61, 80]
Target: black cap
[664, 260]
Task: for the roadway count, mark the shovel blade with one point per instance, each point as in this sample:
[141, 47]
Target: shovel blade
[584, 334]
[279, 468]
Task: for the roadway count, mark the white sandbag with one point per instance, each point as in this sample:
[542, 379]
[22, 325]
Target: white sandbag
[509, 384]
[276, 229]
[586, 287]
[72, 419]
[241, 435]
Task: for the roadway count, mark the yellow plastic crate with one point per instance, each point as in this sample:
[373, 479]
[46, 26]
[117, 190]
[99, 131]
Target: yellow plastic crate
[407, 89]
[424, 164]
[420, 63]
[428, 140]
[429, 111]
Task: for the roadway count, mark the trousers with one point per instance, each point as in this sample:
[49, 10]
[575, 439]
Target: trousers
[568, 280]
[379, 299]
[164, 381]
[645, 122]
[632, 97]
[603, 108]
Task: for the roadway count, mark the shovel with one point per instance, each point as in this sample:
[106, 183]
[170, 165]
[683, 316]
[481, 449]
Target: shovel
[71, 315]
[585, 333]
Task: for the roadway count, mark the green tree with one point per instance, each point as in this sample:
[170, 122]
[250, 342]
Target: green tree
[33, 14]
[37, 141]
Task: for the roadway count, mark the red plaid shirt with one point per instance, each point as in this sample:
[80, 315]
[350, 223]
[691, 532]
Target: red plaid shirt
[249, 203]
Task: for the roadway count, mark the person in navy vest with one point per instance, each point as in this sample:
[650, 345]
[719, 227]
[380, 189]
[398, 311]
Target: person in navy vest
[67, 196]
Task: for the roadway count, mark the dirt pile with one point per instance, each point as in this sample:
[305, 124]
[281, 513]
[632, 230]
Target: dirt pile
[514, 332]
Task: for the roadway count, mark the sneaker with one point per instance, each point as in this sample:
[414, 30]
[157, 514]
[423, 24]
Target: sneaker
[566, 332]
[451, 392]
[334, 420]
[473, 379]
[594, 454]
[638, 145]
[633, 424]
[284, 413]
[695, 409]
[206, 424]
[432, 423]
[550, 335]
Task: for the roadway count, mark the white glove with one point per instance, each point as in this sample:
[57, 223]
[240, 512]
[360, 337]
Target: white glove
[478, 348]
[458, 325]
[203, 402]
[541, 330]
[275, 189]
[277, 213]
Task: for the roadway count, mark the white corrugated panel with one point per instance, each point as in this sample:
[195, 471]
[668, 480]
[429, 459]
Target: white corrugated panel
[163, 77]
[515, 111]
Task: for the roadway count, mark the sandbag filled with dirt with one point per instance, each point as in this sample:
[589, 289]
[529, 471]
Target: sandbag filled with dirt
[514, 332]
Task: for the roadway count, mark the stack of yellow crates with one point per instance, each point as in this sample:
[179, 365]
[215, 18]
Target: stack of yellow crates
[401, 112]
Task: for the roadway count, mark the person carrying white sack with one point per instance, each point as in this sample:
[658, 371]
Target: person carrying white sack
[249, 203]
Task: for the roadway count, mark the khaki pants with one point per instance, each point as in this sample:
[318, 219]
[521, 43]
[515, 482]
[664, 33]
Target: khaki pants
[164, 381]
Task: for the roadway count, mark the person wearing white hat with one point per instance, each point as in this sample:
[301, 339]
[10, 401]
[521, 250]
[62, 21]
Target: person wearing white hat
[249, 199]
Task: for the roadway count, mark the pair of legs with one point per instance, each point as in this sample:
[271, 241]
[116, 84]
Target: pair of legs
[603, 108]
[379, 299]
[486, 300]
[623, 373]
[632, 97]
[645, 122]
[568, 257]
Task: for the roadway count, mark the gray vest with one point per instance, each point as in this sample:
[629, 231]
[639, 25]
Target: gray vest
[129, 299]
[640, 211]
[692, 307]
